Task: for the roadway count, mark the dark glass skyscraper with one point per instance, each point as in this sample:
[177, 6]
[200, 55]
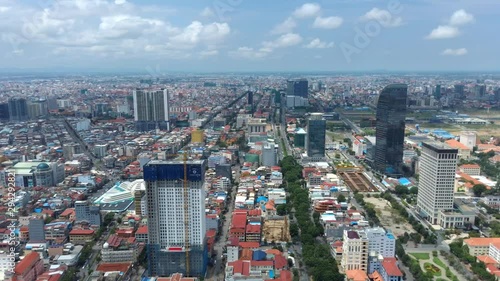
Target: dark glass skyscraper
[316, 133]
[298, 88]
[18, 109]
[390, 129]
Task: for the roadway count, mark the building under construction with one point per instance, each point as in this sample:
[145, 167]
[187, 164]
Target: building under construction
[176, 217]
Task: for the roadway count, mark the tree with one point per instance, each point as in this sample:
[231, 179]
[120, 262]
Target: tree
[281, 210]
[478, 189]
[401, 189]
[414, 190]
[341, 198]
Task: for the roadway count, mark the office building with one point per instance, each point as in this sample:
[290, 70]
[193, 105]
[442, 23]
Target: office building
[176, 217]
[18, 109]
[437, 92]
[151, 110]
[36, 229]
[4, 111]
[34, 173]
[298, 87]
[38, 109]
[390, 129]
[85, 212]
[316, 134]
[479, 91]
[250, 98]
[269, 155]
[438, 165]
[460, 91]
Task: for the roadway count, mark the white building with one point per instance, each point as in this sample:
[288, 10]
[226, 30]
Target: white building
[468, 138]
[256, 126]
[438, 165]
[101, 150]
[277, 194]
[176, 216]
[355, 251]
[381, 242]
[268, 155]
[494, 251]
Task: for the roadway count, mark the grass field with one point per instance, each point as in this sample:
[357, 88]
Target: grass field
[420, 256]
[429, 267]
[440, 263]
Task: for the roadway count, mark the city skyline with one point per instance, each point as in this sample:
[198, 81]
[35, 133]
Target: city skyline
[149, 36]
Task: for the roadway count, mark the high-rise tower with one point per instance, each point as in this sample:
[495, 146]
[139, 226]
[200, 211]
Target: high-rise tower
[438, 165]
[176, 217]
[151, 110]
[390, 129]
[316, 133]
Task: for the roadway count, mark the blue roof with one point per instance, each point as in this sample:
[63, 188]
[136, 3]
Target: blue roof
[271, 274]
[262, 198]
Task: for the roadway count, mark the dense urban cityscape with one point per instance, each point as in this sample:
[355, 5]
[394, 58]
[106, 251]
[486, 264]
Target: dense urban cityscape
[110, 173]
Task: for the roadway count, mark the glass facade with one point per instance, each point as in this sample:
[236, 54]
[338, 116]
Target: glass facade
[298, 88]
[390, 129]
[316, 133]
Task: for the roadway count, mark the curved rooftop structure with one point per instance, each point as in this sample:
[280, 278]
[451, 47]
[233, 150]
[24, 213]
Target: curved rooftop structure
[122, 192]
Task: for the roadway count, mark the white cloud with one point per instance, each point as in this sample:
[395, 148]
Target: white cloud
[285, 40]
[461, 17]
[207, 13]
[120, 2]
[209, 53]
[4, 9]
[285, 27]
[328, 22]
[250, 53]
[318, 44]
[307, 10]
[196, 33]
[384, 17]
[455, 52]
[444, 32]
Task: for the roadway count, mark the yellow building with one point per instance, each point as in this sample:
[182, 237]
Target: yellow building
[197, 136]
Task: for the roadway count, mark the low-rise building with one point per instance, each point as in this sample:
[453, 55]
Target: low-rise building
[480, 246]
[29, 268]
[118, 249]
[470, 169]
[81, 236]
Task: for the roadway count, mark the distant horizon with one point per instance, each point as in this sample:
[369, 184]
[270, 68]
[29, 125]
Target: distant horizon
[73, 71]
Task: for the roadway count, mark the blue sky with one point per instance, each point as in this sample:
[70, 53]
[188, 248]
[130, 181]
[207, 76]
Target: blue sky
[245, 35]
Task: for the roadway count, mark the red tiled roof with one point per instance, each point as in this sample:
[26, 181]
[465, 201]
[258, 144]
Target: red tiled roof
[456, 144]
[142, 230]
[253, 228]
[252, 245]
[211, 233]
[67, 212]
[262, 263]
[391, 267]
[241, 267]
[176, 277]
[26, 263]
[239, 220]
[112, 267]
[280, 262]
[470, 166]
[82, 232]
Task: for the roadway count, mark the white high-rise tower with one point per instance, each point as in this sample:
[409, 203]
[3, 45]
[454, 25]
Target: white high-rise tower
[176, 217]
[438, 165]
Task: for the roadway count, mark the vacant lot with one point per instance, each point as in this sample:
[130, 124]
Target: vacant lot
[389, 218]
[276, 230]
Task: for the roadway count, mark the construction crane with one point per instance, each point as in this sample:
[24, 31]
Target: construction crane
[187, 242]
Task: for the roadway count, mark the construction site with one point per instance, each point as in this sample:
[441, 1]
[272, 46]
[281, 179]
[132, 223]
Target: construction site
[356, 180]
[276, 228]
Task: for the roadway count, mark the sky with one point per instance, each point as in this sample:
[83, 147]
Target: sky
[158, 36]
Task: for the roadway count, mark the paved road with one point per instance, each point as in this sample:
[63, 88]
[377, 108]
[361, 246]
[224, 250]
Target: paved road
[216, 273]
